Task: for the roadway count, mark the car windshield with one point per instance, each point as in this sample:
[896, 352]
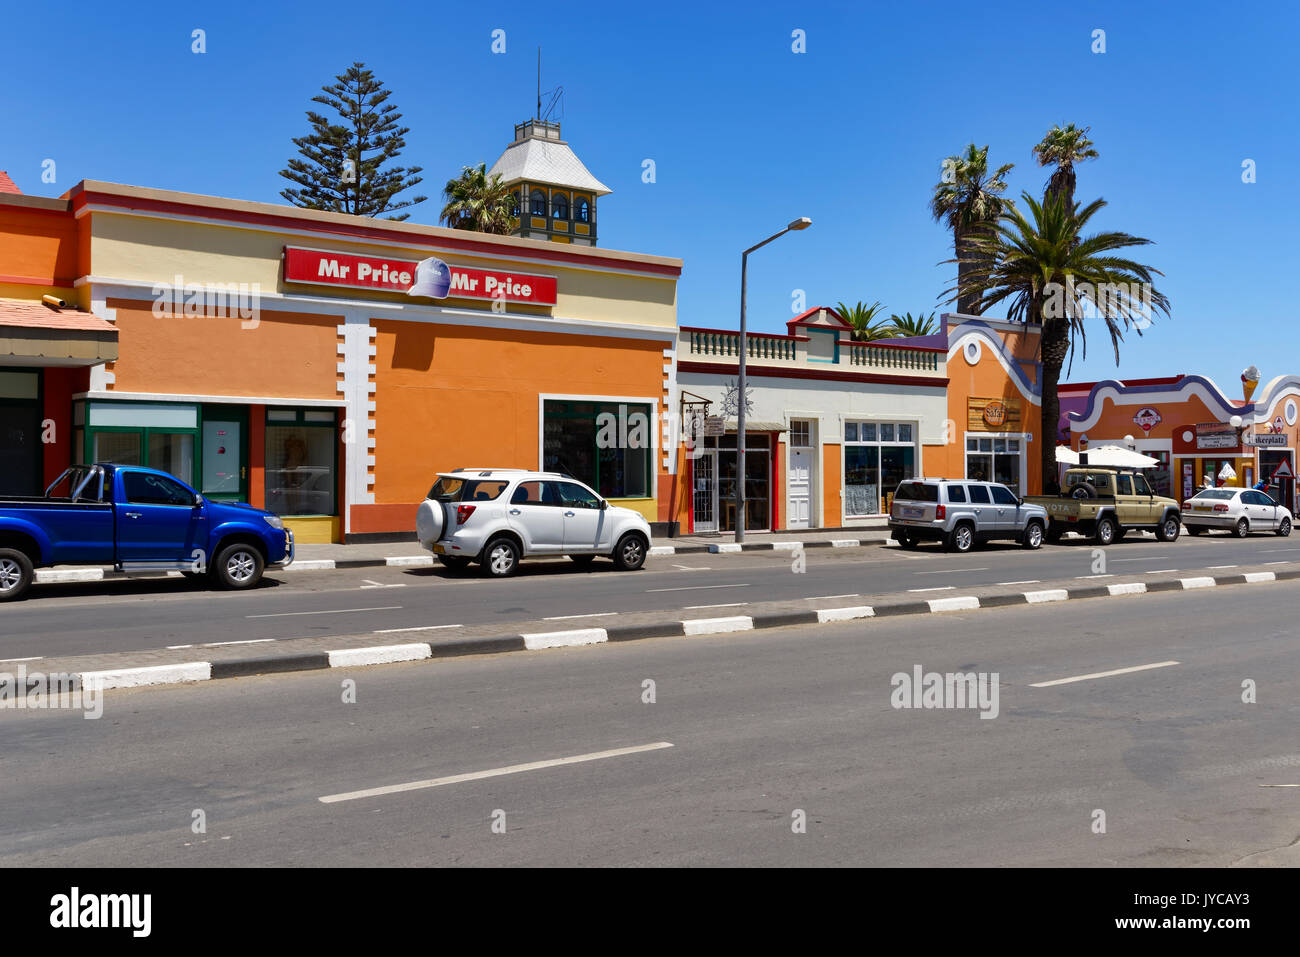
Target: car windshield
[917, 492]
[1216, 493]
[452, 489]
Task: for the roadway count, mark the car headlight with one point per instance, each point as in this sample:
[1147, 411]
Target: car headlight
[274, 521]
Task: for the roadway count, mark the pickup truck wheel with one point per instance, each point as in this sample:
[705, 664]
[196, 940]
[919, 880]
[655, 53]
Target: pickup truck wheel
[1033, 537]
[501, 558]
[1242, 528]
[630, 552]
[1169, 527]
[1284, 529]
[961, 538]
[238, 566]
[1105, 532]
[16, 574]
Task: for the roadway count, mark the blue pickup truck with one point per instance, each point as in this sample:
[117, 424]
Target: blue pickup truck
[136, 519]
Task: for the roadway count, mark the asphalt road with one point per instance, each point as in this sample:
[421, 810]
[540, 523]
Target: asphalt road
[115, 616]
[762, 726]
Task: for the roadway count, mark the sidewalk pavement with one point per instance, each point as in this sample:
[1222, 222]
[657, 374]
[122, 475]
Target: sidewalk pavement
[308, 558]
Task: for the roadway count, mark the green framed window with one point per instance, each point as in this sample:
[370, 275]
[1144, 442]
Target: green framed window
[607, 445]
[301, 461]
[159, 435]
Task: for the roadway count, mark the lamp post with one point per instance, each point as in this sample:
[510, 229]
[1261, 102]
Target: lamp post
[802, 222]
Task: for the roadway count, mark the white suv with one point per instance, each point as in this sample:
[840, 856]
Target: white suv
[498, 516]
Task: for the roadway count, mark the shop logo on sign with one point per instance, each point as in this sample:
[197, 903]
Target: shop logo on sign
[995, 413]
[432, 278]
[1278, 425]
[1147, 418]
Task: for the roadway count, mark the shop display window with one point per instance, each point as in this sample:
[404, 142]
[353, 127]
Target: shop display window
[301, 461]
[607, 445]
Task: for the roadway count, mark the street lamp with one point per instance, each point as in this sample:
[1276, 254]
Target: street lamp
[802, 222]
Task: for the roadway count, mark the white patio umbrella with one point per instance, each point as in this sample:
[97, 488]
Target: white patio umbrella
[1066, 455]
[1120, 457]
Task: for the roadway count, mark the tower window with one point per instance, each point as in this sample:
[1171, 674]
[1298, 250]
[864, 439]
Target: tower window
[581, 210]
[560, 206]
[537, 203]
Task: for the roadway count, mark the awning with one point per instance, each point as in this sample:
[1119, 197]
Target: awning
[752, 425]
[1111, 455]
[34, 334]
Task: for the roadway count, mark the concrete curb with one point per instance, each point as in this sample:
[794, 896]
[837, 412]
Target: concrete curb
[195, 671]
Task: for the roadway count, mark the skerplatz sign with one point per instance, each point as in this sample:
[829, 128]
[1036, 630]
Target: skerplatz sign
[427, 277]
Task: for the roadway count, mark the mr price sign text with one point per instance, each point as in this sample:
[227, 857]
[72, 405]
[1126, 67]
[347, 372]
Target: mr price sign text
[381, 274]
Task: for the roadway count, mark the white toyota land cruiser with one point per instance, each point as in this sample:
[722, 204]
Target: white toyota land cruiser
[498, 516]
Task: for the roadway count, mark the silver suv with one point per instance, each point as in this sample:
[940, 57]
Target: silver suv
[963, 513]
[498, 516]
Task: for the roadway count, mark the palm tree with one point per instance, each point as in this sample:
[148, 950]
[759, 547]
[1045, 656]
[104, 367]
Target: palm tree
[478, 203]
[861, 317]
[968, 199]
[907, 325]
[1054, 277]
[1062, 147]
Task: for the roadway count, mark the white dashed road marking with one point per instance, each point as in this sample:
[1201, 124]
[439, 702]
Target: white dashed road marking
[335, 611]
[1103, 674]
[491, 773]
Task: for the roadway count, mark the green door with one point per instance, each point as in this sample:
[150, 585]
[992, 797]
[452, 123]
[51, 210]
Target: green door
[225, 458]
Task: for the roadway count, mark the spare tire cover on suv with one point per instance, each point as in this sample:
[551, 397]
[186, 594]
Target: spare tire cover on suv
[429, 519]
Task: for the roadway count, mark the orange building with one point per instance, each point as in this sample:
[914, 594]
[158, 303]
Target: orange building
[1197, 431]
[309, 362]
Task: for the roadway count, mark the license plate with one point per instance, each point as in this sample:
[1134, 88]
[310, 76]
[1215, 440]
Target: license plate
[1200, 508]
[911, 511]
[440, 549]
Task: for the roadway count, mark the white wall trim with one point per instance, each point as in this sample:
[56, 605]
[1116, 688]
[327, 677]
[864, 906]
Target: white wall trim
[213, 399]
[424, 248]
[413, 312]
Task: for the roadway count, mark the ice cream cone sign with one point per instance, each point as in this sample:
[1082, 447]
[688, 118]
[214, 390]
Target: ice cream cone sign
[1249, 380]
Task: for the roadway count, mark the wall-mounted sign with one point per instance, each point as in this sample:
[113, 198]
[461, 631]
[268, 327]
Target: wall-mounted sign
[428, 277]
[1147, 418]
[1266, 441]
[993, 415]
[1278, 424]
[1215, 435]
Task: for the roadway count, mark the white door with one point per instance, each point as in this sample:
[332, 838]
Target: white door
[705, 494]
[799, 483]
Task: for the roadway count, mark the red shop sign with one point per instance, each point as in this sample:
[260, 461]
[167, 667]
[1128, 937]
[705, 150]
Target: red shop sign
[429, 278]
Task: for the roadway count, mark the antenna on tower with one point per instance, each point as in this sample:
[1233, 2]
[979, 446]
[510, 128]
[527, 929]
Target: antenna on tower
[556, 95]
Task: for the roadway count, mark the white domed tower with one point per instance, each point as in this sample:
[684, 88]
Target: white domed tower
[555, 195]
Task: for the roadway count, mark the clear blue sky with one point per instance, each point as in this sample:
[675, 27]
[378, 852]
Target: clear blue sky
[745, 134]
